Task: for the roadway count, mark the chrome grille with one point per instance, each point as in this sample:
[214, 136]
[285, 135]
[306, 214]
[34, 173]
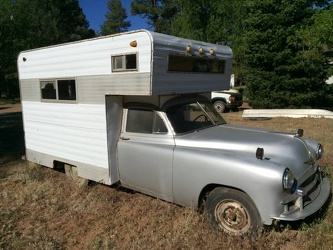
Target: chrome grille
[238, 98]
[304, 195]
[310, 186]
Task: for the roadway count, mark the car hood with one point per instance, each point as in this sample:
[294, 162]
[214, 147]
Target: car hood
[282, 148]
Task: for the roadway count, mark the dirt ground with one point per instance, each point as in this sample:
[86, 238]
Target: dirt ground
[10, 108]
[42, 209]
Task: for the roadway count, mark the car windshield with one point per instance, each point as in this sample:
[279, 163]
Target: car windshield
[193, 116]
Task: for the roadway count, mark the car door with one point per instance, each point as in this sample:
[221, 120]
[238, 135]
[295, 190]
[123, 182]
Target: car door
[145, 153]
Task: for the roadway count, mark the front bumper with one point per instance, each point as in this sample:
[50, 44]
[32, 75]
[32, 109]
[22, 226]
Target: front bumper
[234, 105]
[299, 210]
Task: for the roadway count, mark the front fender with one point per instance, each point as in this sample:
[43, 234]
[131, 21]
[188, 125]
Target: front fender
[312, 146]
[219, 99]
[195, 168]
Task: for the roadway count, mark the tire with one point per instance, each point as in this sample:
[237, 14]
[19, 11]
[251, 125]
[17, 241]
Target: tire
[71, 172]
[232, 212]
[220, 106]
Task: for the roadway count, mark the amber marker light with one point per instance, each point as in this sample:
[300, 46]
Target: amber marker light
[201, 50]
[188, 48]
[212, 52]
[134, 43]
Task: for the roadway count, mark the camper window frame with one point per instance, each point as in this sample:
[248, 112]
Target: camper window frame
[123, 62]
[55, 83]
[196, 64]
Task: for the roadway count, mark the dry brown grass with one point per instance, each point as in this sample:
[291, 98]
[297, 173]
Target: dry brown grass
[41, 209]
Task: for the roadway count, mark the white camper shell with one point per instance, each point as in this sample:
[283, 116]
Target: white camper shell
[73, 94]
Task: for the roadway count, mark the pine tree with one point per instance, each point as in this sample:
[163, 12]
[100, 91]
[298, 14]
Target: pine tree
[115, 19]
[192, 19]
[28, 24]
[159, 13]
[44, 22]
[278, 73]
[7, 53]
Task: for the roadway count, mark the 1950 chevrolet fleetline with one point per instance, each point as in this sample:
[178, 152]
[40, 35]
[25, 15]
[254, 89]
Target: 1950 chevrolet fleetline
[242, 177]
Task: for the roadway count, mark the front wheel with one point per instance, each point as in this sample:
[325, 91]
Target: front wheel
[220, 106]
[233, 212]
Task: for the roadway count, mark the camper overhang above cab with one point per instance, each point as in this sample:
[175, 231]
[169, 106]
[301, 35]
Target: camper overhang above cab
[133, 63]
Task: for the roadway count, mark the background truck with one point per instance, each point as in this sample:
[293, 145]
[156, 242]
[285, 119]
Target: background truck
[226, 100]
[135, 109]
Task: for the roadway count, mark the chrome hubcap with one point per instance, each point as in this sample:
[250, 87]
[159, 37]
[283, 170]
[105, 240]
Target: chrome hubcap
[218, 107]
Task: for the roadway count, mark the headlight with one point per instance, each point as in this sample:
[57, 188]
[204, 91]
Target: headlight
[288, 179]
[320, 151]
[231, 99]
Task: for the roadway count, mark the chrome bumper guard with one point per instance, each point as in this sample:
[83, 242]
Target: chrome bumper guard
[309, 197]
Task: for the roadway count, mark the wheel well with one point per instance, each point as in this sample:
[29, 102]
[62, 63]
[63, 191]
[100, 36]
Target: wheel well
[219, 99]
[206, 191]
[59, 166]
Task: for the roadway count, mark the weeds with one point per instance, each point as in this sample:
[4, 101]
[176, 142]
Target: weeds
[52, 214]
[34, 172]
[100, 244]
[41, 209]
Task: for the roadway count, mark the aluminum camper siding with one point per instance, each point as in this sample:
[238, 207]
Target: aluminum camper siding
[70, 133]
[165, 82]
[76, 132]
[89, 61]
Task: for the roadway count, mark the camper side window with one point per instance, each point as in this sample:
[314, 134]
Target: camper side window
[67, 90]
[48, 89]
[124, 62]
[58, 90]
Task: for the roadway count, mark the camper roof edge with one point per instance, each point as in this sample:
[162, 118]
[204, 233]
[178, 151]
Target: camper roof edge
[137, 62]
[150, 33]
[88, 39]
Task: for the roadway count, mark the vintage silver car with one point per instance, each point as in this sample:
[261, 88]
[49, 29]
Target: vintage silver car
[243, 177]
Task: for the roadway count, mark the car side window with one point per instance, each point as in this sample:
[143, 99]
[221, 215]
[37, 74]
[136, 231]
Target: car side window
[144, 121]
[159, 126]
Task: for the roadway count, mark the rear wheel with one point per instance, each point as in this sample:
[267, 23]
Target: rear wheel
[219, 106]
[71, 172]
[233, 212]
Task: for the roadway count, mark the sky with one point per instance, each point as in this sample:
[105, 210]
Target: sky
[95, 11]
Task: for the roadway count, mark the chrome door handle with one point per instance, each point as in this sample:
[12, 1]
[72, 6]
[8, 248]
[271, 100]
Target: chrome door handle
[124, 138]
